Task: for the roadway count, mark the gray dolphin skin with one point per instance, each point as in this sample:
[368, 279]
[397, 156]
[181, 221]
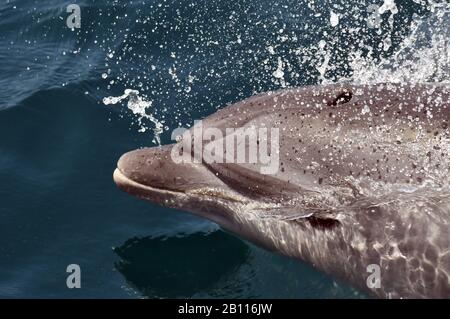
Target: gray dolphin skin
[362, 183]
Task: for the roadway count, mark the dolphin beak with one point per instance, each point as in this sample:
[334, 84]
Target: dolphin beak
[147, 167]
[143, 171]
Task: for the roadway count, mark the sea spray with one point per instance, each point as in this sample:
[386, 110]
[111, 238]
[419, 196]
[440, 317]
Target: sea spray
[139, 107]
[356, 42]
[423, 56]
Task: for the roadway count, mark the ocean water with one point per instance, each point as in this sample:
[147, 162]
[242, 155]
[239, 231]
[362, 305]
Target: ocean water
[73, 101]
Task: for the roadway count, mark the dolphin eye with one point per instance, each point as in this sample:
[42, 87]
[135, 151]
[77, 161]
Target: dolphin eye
[342, 98]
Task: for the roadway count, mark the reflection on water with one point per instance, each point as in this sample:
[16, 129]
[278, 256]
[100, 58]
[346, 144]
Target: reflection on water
[219, 265]
[180, 266]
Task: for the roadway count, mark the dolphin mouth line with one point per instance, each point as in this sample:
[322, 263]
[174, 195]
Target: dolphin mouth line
[121, 178]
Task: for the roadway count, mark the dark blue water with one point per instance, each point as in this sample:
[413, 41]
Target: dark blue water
[59, 144]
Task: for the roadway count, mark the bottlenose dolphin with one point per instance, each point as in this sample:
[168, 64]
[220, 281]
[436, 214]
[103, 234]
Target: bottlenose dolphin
[362, 191]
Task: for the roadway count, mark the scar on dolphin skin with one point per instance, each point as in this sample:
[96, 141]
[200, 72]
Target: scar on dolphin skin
[364, 180]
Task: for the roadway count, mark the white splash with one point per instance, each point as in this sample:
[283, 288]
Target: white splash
[139, 108]
[424, 56]
[334, 19]
[323, 66]
[278, 74]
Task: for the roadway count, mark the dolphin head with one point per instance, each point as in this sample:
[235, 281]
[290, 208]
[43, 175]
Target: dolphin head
[221, 191]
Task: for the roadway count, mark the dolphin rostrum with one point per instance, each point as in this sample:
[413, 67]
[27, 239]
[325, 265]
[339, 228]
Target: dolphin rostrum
[361, 190]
